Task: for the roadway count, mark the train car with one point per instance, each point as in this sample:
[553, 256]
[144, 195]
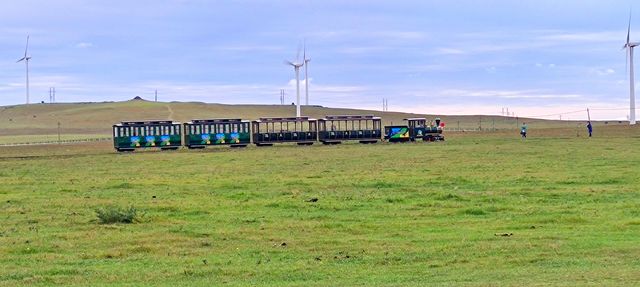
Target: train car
[363, 128]
[129, 135]
[300, 130]
[212, 132]
[416, 128]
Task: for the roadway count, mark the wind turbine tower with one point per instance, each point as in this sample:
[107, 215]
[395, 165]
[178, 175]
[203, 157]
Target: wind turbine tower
[632, 93]
[306, 77]
[26, 59]
[296, 65]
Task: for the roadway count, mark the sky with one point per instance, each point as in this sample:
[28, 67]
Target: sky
[546, 59]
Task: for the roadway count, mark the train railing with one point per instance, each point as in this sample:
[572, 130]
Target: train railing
[57, 141]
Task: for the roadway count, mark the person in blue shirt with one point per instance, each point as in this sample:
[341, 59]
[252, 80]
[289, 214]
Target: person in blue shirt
[523, 130]
[589, 128]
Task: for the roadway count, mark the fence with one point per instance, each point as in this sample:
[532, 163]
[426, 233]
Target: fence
[56, 141]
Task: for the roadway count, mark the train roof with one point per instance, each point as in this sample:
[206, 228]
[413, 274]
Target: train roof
[351, 117]
[291, 119]
[415, 119]
[216, 121]
[147, 123]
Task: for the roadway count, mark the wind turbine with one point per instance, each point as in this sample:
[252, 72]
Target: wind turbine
[296, 65]
[306, 77]
[26, 59]
[632, 92]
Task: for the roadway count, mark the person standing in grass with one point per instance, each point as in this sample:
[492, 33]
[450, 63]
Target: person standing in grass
[523, 130]
[589, 128]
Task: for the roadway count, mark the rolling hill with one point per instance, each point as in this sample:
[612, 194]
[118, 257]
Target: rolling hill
[97, 118]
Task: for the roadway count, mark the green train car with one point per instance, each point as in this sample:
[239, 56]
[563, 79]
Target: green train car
[230, 132]
[129, 136]
[362, 128]
[299, 130]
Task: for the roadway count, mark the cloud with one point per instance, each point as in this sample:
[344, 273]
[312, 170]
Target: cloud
[84, 45]
[603, 71]
[449, 51]
[249, 48]
[579, 37]
[508, 94]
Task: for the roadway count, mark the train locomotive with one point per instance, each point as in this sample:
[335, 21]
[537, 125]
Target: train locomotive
[332, 129]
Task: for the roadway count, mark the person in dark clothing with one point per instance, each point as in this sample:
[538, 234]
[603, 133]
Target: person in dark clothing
[523, 130]
[589, 128]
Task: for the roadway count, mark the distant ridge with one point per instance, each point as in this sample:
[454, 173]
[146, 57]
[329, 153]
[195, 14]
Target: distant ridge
[97, 118]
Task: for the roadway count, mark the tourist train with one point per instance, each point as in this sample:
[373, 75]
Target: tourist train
[170, 135]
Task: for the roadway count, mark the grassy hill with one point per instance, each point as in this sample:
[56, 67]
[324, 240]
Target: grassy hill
[38, 123]
[97, 118]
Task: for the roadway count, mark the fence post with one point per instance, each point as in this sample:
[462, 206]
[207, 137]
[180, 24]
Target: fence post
[58, 132]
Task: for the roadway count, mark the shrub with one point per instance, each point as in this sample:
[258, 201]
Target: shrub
[115, 214]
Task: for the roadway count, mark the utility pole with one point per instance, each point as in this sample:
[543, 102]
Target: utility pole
[480, 124]
[493, 124]
[58, 132]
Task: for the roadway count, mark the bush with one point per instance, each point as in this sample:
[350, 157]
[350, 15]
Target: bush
[116, 214]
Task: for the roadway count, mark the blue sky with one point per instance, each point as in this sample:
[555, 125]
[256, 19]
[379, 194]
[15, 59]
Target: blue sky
[441, 57]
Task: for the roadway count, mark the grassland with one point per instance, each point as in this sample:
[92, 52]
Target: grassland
[489, 210]
[93, 119]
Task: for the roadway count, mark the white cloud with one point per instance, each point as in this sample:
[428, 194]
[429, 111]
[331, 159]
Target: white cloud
[449, 51]
[508, 94]
[84, 45]
[603, 71]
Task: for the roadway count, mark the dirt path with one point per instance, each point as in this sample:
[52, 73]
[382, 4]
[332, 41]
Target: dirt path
[170, 112]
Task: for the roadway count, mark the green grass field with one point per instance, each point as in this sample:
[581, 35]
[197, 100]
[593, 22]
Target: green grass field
[386, 214]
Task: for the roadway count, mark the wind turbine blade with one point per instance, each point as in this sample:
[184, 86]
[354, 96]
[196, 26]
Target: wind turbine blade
[27, 47]
[304, 53]
[289, 63]
[21, 59]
